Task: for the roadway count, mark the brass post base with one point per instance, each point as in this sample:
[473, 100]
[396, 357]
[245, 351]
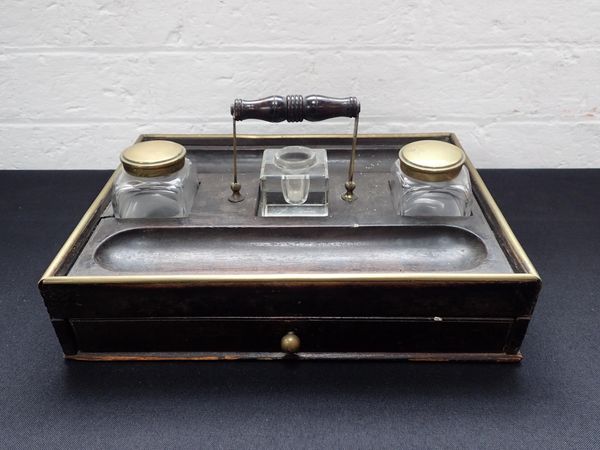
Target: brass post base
[236, 196]
[349, 196]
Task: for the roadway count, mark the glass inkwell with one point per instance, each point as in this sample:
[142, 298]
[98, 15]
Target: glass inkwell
[157, 181]
[294, 182]
[430, 179]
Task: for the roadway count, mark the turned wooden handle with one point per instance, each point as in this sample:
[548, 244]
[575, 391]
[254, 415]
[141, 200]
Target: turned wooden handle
[295, 108]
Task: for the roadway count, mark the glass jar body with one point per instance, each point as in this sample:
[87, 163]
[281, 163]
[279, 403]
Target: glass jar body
[414, 197]
[294, 182]
[166, 196]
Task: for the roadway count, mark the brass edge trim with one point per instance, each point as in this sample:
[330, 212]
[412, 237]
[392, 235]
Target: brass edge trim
[441, 277]
[78, 230]
[279, 136]
[504, 226]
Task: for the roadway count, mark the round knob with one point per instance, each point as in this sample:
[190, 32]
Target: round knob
[290, 343]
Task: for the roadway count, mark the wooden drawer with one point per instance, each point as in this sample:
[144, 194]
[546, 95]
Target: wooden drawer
[263, 335]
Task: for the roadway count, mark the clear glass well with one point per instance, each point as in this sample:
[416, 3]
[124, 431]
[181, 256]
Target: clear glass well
[165, 196]
[294, 181]
[413, 197]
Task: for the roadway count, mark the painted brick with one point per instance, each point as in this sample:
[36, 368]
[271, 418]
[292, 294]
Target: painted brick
[89, 23]
[516, 80]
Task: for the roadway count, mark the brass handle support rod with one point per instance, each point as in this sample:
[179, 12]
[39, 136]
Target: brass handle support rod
[236, 196]
[350, 185]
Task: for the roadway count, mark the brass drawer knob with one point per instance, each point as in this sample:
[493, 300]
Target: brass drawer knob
[290, 343]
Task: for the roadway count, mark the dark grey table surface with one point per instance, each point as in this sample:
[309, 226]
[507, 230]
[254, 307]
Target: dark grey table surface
[550, 400]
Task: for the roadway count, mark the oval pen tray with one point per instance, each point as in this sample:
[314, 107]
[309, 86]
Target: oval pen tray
[360, 263]
[290, 249]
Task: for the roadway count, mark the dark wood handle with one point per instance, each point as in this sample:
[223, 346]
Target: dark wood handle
[295, 108]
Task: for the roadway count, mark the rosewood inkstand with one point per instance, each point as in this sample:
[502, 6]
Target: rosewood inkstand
[362, 246]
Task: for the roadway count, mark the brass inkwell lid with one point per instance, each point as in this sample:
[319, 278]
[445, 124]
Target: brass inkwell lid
[153, 158]
[430, 160]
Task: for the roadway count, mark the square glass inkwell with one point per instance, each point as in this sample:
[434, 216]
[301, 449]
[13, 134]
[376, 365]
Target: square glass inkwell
[294, 182]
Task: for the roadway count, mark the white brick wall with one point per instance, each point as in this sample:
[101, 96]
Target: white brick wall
[517, 80]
